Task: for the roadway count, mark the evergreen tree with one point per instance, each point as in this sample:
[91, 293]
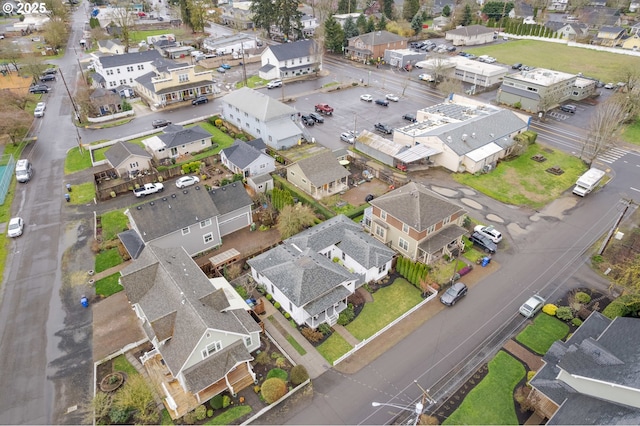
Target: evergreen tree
[382, 24]
[416, 23]
[288, 18]
[264, 14]
[497, 10]
[184, 12]
[350, 28]
[333, 35]
[361, 23]
[467, 16]
[446, 11]
[346, 6]
[409, 9]
[387, 8]
[371, 25]
[400, 265]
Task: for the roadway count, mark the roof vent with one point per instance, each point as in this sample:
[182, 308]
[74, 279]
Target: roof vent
[139, 207]
[223, 188]
[185, 191]
[492, 135]
[449, 138]
[464, 137]
[473, 135]
[173, 195]
[153, 203]
[164, 198]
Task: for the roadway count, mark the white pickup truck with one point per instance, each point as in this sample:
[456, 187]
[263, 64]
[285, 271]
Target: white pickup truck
[148, 188]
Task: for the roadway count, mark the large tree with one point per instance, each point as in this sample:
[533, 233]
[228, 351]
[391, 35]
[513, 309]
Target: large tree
[467, 16]
[293, 219]
[371, 25]
[333, 35]
[350, 28]
[288, 18]
[361, 23]
[125, 19]
[14, 122]
[410, 8]
[416, 23]
[497, 10]
[264, 14]
[347, 6]
[198, 14]
[603, 128]
[56, 32]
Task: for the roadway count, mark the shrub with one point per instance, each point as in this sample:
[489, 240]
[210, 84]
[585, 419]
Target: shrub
[279, 373]
[550, 309]
[298, 375]
[118, 415]
[287, 315]
[582, 297]
[346, 316]
[564, 313]
[530, 375]
[277, 305]
[355, 299]
[200, 412]
[216, 402]
[262, 358]
[218, 123]
[324, 328]
[576, 322]
[189, 418]
[281, 362]
[242, 292]
[274, 355]
[273, 389]
[226, 401]
[209, 413]
[336, 259]
[311, 334]
[269, 297]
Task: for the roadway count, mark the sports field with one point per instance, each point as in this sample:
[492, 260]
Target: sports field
[604, 66]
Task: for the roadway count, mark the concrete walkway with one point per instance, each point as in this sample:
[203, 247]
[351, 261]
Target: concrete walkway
[111, 271]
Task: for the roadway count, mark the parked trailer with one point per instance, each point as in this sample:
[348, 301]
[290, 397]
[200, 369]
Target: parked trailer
[588, 181]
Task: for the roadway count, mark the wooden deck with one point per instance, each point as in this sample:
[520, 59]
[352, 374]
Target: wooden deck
[167, 385]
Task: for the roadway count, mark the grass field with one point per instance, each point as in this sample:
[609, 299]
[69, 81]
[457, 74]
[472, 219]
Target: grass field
[77, 161]
[108, 285]
[540, 335]
[591, 63]
[334, 347]
[138, 36]
[631, 133]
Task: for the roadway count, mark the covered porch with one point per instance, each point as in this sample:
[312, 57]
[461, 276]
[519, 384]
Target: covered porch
[329, 188]
[318, 312]
[447, 242]
[185, 92]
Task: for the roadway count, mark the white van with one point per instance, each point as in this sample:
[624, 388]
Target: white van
[23, 171]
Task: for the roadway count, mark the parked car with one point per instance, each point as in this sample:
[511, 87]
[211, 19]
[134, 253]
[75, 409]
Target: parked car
[490, 232]
[160, 123]
[453, 294]
[225, 66]
[382, 102]
[483, 242]
[532, 306]
[274, 83]
[199, 100]
[39, 111]
[50, 71]
[366, 98]
[48, 77]
[368, 198]
[348, 137]
[383, 128]
[609, 86]
[568, 108]
[39, 88]
[516, 66]
[221, 70]
[410, 117]
[185, 181]
[392, 97]
[316, 117]
[15, 228]
[307, 120]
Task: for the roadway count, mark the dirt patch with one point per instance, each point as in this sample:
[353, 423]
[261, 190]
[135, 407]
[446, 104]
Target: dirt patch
[15, 83]
[355, 195]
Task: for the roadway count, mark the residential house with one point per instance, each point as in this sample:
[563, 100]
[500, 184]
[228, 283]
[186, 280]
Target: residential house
[163, 43]
[342, 18]
[201, 332]
[440, 23]
[248, 158]
[569, 31]
[194, 218]
[313, 273]
[111, 46]
[632, 42]
[262, 116]
[541, 89]
[176, 141]
[169, 82]
[417, 223]
[470, 36]
[117, 70]
[597, 16]
[289, 60]
[610, 36]
[105, 101]
[320, 175]
[460, 135]
[634, 6]
[634, 29]
[237, 15]
[128, 158]
[592, 378]
[557, 5]
[371, 46]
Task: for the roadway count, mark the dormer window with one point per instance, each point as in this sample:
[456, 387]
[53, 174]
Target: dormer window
[211, 349]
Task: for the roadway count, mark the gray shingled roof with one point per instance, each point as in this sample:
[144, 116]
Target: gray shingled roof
[241, 153]
[184, 136]
[230, 197]
[378, 37]
[172, 212]
[611, 29]
[265, 177]
[129, 58]
[145, 81]
[257, 104]
[132, 242]
[297, 49]
[302, 276]
[322, 168]
[110, 43]
[581, 409]
[120, 151]
[348, 236]
[214, 368]
[471, 30]
[416, 206]
[258, 144]
[173, 293]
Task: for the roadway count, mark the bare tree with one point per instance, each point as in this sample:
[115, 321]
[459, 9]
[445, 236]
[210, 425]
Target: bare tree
[199, 13]
[17, 99]
[548, 100]
[124, 18]
[439, 67]
[34, 67]
[293, 218]
[14, 122]
[11, 53]
[56, 32]
[603, 128]
[451, 85]
[630, 76]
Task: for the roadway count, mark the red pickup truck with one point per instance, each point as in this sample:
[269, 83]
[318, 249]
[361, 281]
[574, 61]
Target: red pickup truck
[324, 109]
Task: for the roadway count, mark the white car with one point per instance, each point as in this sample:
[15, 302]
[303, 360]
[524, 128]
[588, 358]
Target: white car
[426, 77]
[274, 83]
[16, 225]
[392, 97]
[366, 98]
[348, 137]
[492, 233]
[185, 181]
[532, 306]
[39, 111]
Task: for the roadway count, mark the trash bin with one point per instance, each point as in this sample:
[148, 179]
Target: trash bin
[68, 186]
[67, 197]
[84, 301]
[485, 261]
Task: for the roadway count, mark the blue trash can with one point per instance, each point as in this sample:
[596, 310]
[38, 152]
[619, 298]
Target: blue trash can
[485, 261]
[84, 301]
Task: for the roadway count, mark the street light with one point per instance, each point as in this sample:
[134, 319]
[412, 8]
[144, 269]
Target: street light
[419, 405]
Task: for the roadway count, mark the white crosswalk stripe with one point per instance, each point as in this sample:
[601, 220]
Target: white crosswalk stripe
[611, 155]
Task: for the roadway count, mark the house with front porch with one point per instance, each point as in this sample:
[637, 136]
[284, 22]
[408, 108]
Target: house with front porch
[313, 273]
[319, 176]
[610, 36]
[248, 158]
[127, 158]
[116, 70]
[290, 60]
[417, 223]
[200, 329]
[170, 82]
[371, 46]
[176, 141]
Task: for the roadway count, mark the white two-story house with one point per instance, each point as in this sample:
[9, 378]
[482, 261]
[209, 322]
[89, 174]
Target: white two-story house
[289, 60]
[113, 71]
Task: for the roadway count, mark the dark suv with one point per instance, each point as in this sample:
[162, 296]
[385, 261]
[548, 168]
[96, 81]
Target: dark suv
[483, 242]
[382, 102]
[308, 121]
[383, 128]
[199, 100]
[39, 88]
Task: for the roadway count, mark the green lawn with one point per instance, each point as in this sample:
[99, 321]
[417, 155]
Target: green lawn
[524, 182]
[601, 65]
[253, 82]
[108, 285]
[229, 416]
[77, 161]
[388, 304]
[631, 133]
[120, 363]
[540, 335]
[112, 223]
[218, 136]
[334, 347]
[83, 193]
[107, 259]
[138, 36]
[293, 342]
[491, 402]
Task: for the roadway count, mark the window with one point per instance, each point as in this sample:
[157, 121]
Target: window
[133, 165]
[247, 125]
[231, 116]
[247, 341]
[258, 131]
[129, 69]
[112, 84]
[446, 220]
[403, 244]
[183, 78]
[290, 306]
[270, 138]
[262, 166]
[380, 231]
[208, 238]
[237, 110]
[203, 142]
[140, 67]
[130, 80]
[205, 223]
[118, 69]
[109, 72]
[431, 229]
[185, 231]
[344, 256]
[211, 349]
[383, 215]
[123, 81]
[382, 268]
[405, 228]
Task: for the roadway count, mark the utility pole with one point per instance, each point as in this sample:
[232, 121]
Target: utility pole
[627, 203]
[75, 107]
[244, 67]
